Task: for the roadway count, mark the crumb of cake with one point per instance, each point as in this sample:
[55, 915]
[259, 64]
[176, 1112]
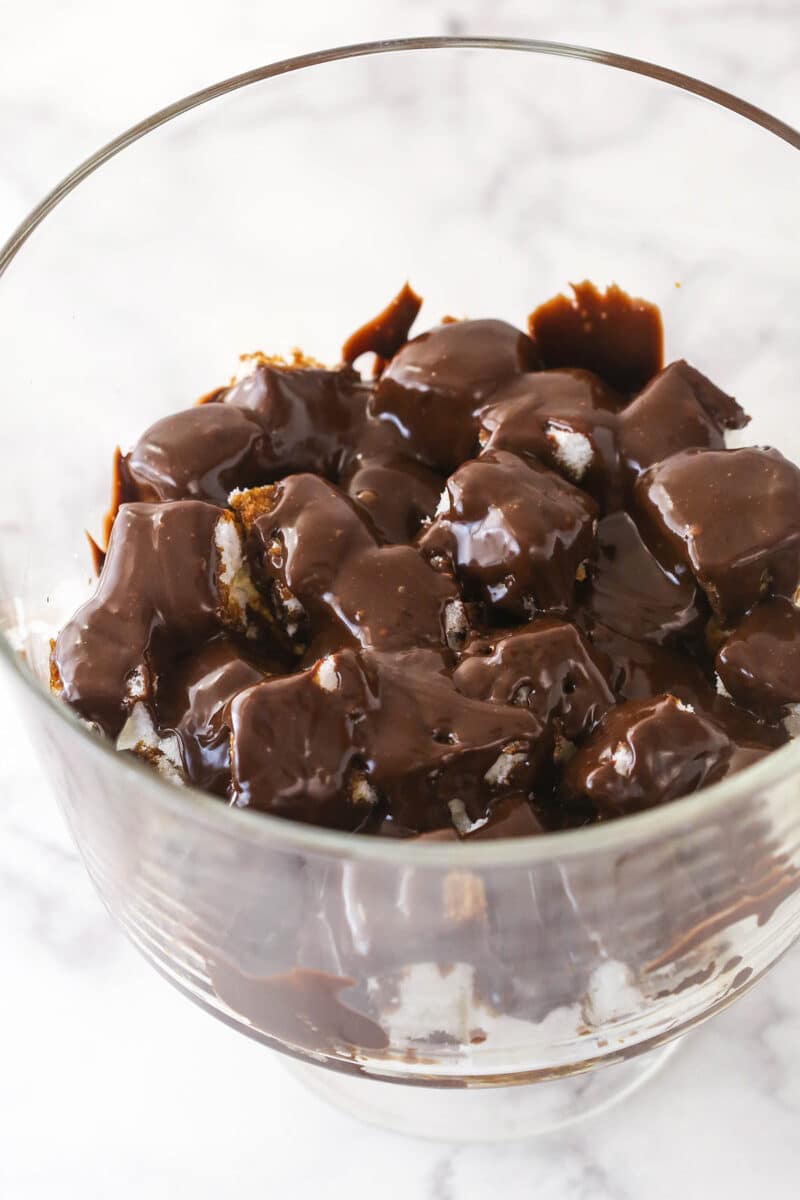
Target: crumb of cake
[456, 624]
[563, 748]
[572, 451]
[361, 791]
[791, 721]
[622, 759]
[56, 685]
[462, 822]
[464, 897]
[297, 361]
[325, 674]
[140, 736]
[137, 684]
[502, 768]
[251, 503]
[238, 595]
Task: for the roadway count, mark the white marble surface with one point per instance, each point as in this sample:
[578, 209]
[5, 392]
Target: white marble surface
[110, 1083]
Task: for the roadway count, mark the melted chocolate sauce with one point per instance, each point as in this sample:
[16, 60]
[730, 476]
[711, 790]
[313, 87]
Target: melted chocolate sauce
[731, 517]
[635, 594]
[759, 663]
[395, 490]
[201, 453]
[679, 409]
[389, 729]
[617, 337]
[194, 703]
[547, 666]
[646, 752]
[425, 652]
[516, 534]
[311, 416]
[566, 419]
[158, 585]
[434, 387]
[317, 558]
[387, 333]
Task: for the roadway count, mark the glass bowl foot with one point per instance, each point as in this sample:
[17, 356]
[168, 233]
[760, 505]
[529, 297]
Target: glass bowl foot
[486, 1114]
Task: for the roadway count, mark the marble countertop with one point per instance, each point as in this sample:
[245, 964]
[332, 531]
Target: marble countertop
[110, 1083]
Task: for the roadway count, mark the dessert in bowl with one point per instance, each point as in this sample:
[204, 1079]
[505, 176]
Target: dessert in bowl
[457, 961]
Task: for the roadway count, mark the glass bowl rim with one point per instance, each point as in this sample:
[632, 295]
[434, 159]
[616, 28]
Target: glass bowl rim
[190, 803]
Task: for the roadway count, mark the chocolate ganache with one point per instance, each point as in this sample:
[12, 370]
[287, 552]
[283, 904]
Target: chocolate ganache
[504, 583]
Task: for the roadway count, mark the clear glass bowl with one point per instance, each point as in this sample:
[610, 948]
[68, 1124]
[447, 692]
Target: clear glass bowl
[282, 208]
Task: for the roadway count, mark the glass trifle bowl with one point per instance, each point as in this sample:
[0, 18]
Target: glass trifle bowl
[279, 209]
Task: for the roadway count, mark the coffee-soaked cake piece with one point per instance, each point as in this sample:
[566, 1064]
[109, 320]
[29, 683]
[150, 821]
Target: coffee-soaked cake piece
[732, 517]
[193, 700]
[548, 666]
[566, 419]
[517, 535]
[172, 578]
[578, 425]
[200, 454]
[646, 752]
[678, 410]
[311, 416]
[278, 418]
[434, 386]
[635, 594]
[331, 585]
[759, 663]
[390, 731]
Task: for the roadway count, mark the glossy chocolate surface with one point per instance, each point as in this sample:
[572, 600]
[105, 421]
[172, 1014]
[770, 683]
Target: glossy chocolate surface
[647, 752]
[516, 534]
[394, 489]
[158, 588]
[635, 594]
[194, 702]
[677, 410]
[433, 388]
[316, 557]
[478, 596]
[547, 666]
[616, 336]
[201, 453]
[311, 416]
[645, 668]
[387, 729]
[759, 663]
[732, 517]
[566, 419]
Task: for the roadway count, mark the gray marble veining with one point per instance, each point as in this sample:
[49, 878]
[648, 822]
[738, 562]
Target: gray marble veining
[111, 1084]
